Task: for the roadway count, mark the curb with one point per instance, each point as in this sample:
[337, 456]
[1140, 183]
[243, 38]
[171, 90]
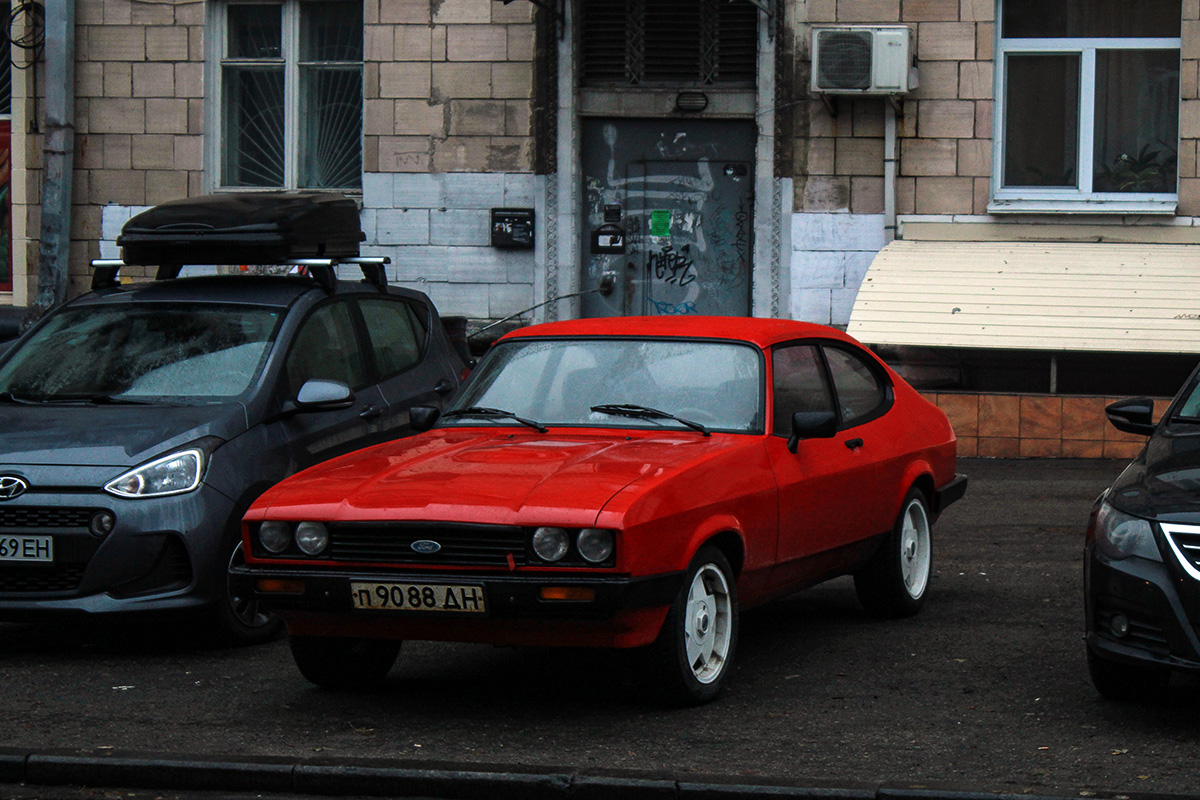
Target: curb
[400, 779]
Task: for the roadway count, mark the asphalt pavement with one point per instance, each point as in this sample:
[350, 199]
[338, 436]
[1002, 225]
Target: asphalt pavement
[983, 695]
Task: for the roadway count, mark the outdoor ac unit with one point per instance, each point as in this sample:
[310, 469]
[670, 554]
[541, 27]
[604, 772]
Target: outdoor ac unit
[863, 59]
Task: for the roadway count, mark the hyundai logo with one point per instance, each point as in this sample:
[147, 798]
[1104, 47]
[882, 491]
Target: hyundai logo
[11, 486]
[425, 546]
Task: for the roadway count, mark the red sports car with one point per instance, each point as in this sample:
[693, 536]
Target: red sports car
[628, 482]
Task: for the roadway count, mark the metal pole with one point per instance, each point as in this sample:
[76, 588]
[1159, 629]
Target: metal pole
[59, 149]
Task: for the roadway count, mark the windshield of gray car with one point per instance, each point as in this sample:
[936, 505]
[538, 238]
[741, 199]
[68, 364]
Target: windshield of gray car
[713, 383]
[177, 352]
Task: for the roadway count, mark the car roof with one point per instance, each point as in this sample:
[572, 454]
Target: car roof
[267, 290]
[757, 330]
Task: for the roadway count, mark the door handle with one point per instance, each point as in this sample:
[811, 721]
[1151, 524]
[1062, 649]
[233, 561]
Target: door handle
[370, 412]
[444, 387]
[854, 444]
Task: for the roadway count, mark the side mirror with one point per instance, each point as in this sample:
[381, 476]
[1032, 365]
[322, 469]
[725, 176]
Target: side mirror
[422, 418]
[812, 425]
[1135, 415]
[318, 394]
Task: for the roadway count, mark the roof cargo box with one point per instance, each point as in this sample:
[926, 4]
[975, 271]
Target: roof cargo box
[243, 228]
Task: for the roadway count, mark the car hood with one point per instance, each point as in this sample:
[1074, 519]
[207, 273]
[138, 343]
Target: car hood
[486, 477]
[1163, 482]
[103, 435]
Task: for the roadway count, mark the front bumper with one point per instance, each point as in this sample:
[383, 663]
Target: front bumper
[164, 554]
[622, 611]
[1159, 631]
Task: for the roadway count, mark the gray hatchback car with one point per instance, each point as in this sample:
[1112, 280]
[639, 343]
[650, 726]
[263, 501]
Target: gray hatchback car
[139, 421]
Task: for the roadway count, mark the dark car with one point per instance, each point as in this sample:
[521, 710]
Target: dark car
[139, 422]
[1142, 554]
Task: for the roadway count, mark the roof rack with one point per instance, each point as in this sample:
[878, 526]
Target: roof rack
[105, 270]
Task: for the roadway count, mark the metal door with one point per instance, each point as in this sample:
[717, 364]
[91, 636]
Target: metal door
[668, 212]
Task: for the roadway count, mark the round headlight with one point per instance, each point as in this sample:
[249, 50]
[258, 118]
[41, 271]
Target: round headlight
[550, 544]
[595, 545]
[274, 536]
[311, 537]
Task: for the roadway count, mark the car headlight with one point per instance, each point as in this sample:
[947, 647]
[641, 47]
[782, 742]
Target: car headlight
[174, 474]
[312, 537]
[275, 536]
[1119, 535]
[550, 544]
[595, 544]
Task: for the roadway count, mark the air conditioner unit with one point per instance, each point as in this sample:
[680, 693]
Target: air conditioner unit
[863, 59]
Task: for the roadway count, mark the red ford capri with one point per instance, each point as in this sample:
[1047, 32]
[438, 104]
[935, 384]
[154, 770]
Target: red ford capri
[626, 483]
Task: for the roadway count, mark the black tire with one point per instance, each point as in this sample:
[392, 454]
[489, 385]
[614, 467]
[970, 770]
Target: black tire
[693, 656]
[344, 663]
[240, 618]
[1126, 683]
[895, 582]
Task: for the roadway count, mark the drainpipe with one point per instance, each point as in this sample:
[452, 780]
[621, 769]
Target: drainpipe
[889, 173]
[59, 149]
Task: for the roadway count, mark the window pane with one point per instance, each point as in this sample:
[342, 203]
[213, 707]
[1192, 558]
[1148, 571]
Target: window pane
[1023, 19]
[799, 385]
[395, 344]
[331, 115]
[1137, 120]
[326, 348]
[255, 32]
[1041, 131]
[253, 117]
[859, 391]
[332, 32]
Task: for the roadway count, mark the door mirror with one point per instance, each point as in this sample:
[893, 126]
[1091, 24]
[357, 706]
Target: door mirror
[1135, 415]
[811, 425]
[422, 418]
[318, 394]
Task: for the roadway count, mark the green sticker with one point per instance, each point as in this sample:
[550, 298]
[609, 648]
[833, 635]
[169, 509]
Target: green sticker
[660, 222]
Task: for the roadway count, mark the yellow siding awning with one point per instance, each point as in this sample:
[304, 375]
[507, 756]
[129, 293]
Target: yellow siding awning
[1138, 298]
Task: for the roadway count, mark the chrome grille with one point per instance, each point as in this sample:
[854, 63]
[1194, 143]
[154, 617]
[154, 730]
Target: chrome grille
[391, 542]
[1184, 541]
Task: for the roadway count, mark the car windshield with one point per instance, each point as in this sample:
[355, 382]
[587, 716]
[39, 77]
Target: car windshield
[1189, 410]
[178, 352]
[616, 383]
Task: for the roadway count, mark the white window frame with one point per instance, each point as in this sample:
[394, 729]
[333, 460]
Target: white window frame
[217, 35]
[1033, 199]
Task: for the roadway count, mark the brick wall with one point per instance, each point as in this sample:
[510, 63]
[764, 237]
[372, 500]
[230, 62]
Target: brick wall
[1037, 426]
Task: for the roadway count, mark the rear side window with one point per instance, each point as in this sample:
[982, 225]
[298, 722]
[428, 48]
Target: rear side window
[799, 384]
[327, 348]
[861, 391]
[396, 336]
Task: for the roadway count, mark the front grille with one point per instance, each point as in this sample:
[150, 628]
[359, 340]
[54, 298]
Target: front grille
[460, 545]
[73, 549]
[1185, 542]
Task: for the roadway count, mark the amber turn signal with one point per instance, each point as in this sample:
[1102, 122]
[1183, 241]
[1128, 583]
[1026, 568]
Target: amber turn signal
[572, 593]
[278, 586]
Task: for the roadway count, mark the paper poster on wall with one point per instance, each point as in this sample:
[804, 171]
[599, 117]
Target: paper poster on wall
[660, 222]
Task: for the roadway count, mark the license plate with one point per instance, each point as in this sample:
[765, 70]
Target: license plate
[438, 597]
[27, 548]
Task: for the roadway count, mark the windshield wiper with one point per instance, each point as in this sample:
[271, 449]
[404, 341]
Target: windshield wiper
[110, 400]
[484, 411]
[645, 412]
[9, 397]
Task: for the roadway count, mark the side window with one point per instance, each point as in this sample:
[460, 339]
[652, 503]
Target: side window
[326, 348]
[860, 391]
[395, 340]
[799, 385]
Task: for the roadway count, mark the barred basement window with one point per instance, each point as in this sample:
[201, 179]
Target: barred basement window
[291, 88]
[669, 42]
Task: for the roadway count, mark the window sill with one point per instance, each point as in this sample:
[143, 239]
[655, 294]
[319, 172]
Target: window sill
[1160, 204]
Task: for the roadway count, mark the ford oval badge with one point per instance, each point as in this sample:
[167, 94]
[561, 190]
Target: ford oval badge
[425, 546]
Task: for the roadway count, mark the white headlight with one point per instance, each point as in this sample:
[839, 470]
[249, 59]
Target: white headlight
[275, 536]
[174, 474]
[550, 544]
[1119, 535]
[311, 537]
[595, 544]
